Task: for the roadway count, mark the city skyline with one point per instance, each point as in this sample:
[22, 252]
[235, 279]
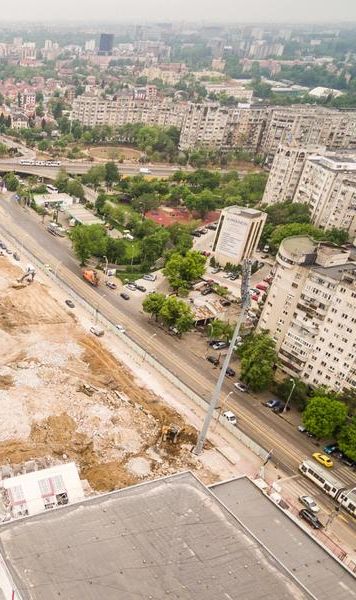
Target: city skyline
[226, 10]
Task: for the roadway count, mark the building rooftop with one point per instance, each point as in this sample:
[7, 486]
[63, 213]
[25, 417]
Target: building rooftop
[166, 538]
[336, 272]
[320, 574]
[249, 213]
[82, 215]
[298, 245]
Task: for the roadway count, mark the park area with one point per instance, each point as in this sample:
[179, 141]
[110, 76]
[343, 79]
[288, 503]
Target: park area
[64, 396]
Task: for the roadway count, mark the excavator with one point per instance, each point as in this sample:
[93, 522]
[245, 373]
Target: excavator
[91, 276]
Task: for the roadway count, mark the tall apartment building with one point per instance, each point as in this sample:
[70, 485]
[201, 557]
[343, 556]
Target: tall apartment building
[207, 124]
[106, 44]
[237, 235]
[287, 167]
[328, 186]
[92, 110]
[311, 313]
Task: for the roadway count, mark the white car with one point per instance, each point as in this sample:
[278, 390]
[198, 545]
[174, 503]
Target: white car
[230, 417]
[310, 503]
[150, 277]
[241, 386]
[120, 328]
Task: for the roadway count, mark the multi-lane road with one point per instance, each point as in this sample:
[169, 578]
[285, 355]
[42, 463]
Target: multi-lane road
[269, 430]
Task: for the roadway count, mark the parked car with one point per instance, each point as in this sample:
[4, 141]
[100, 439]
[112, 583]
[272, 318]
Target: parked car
[220, 345]
[111, 285]
[213, 342]
[273, 402]
[234, 277]
[141, 288]
[242, 387]
[196, 234]
[131, 286]
[228, 275]
[323, 459]
[8, 251]
[280, 408]
[310, 517]
[212, 226]
[213, 360]
[254, 297]
[301, 428]
[216, 270]
[230, 372]
[150, 277]
[230, 417]
[125, 296]
[70, 303]
[120, 328]
[331, 448]
[16, 256]
[225, 302]
[206, 291]
[310, 503]
[203, 231]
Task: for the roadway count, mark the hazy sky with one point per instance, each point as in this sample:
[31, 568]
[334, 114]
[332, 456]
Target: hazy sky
[222, 10]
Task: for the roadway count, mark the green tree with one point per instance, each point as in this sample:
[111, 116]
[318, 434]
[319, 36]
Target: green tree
[153, 303]
[3, 150]
[88, 240]
[111, 174]
[182, 270]
[283, 213]
[258, 359]
[347, 439]
[95, 176]
[299, 395]
[335, 236]
[11, 182]
[61, 181]
[153, 246]
[221, 330]
[75, 188]
[323, 416]
[176, 313]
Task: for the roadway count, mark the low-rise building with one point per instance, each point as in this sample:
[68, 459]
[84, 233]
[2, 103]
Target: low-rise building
[310, 312]
[237, 234]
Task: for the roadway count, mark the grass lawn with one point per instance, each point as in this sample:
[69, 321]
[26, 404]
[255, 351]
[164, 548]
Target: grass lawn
[129, 275]
[133, 249]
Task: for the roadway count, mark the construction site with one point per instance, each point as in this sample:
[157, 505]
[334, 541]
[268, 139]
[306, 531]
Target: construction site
[65, 397]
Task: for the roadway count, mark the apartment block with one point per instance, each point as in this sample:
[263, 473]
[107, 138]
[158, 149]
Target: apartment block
[287, 167]
[311, 313]
[207, 124]
[237, 235]
[92, 110]
[328, 186]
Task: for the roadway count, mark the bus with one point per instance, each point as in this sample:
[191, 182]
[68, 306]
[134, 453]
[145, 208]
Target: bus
[332, 486]
[40, 163]
[51, 189]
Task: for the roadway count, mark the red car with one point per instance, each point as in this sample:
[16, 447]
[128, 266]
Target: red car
[254, 297]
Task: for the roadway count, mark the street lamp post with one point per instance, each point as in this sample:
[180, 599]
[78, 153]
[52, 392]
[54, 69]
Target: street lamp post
[245, 295]
[106, 267]
[290, 395]
[97, 308]
[222, 406]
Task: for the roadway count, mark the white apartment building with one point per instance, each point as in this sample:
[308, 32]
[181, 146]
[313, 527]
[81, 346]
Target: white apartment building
[311, 313]
[92, 110]
[287, 167]
[237, 235]
[328, 186]
[206, 125]
[230, 89]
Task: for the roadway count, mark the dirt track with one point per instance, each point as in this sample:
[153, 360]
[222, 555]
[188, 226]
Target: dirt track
[112, 429]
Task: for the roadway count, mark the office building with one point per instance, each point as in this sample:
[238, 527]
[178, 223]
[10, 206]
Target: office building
[287, 167]
[310, 312]
[237, 235]
[328, 186]
[89, 46]
[106, 44]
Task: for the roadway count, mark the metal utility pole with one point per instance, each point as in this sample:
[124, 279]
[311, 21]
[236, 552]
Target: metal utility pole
[245, 297]
[290, 395]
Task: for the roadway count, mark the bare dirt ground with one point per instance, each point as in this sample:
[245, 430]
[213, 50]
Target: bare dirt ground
[113, 152]
[63, 396]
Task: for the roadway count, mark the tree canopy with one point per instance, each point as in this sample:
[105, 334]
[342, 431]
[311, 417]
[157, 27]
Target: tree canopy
[182, 270]
[323, 416]
[258, 359]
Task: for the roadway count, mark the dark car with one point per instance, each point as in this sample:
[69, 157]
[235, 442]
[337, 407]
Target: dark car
[16, 256]
[225, 302]
[141, 288]
[331, 448]
[213, 360]
[70, 303]
[230, 372]
[310, 517]
[207, 291]
[125, 296]
[196, 233]
[213, 342]
[280, 408]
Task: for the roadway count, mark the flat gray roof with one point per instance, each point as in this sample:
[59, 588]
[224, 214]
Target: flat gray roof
[321, 574]
[82, 215]
[337, 272]
[169, 538]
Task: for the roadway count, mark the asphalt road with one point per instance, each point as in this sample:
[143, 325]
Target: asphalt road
[78, 168]
[261, 424]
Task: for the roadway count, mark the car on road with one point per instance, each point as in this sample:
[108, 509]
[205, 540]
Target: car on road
[242, 387]
[220, 345]
[323, 459]
[196, 234]
[301, 428]
[150, 277]
[225, 302]
[310, 503]
[230, 372]
[120, 328]
[215, 270]
[131, 286]
[310, 517]
[70, 303]
[280, 408]
[230, 417]
[140, 288]
[213, 360]
[111, 285]
[125, 296]
[273, 403]
[331, 448]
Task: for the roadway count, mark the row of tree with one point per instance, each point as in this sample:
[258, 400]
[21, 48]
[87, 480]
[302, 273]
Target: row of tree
[169, 311]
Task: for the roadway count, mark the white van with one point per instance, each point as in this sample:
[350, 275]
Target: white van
[145, 171]
[230, 417]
